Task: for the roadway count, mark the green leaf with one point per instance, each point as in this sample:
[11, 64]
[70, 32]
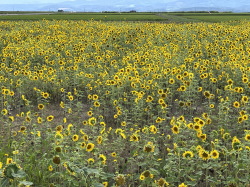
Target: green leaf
[93, 171]
[27, 183]
[19, 174]
[98, 185]
[4, 182]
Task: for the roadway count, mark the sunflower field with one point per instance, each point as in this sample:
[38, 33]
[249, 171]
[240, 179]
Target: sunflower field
[103, 104]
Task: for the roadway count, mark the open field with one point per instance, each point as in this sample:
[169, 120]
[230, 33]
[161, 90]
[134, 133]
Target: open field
[86, 16]
[140, 16]
[90, 103]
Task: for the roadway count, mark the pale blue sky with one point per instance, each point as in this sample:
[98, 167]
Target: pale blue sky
[140, 5]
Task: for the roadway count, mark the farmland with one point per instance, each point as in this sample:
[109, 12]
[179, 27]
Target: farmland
[122, 103]
[125, 16]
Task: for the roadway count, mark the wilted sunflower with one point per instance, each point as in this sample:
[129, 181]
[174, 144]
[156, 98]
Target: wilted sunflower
[146, 173]
[149, 147]
[120, 180]
[57, 160]
[58, 149]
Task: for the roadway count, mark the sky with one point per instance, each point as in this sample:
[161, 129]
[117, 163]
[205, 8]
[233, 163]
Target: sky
[141, 5]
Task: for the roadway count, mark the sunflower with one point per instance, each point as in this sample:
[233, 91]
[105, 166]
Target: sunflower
[162, 182]
[188, 154]
[83, 144]
[97, 104]
[39, 120]
[207, 94]
[9, 160]
[204, 154]
[95, 97]
[40, 106]
[91, 160]
[90, 147]
[153, 129]
[99, 139]
[75, 137]
[183, 185]
[161, 101]
[4, 112]
[105, 184]
[50, 118]
[214, 154]
[236, 104]
[175, 129]
[142, 177]
[202, 136]
[71, 97]
[236, 144]
[62, 104]
[197, 127]
[149, 99]
[22, 129]
[50, 168]
[134, 137]
[113, 154]
[59, 128]
[92, 121]
[244, 99]
[90, 113]
[171, 81]
[45, 95]
[247, 137]
[240, 119]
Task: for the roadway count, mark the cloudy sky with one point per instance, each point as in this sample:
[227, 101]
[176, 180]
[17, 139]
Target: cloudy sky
[140, 5]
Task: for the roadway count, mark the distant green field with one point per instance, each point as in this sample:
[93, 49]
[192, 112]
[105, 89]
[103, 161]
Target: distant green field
[206, 17]
[88, 16]
[178, 17]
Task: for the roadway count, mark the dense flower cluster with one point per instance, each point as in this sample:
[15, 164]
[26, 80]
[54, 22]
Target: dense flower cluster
[126, 103]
